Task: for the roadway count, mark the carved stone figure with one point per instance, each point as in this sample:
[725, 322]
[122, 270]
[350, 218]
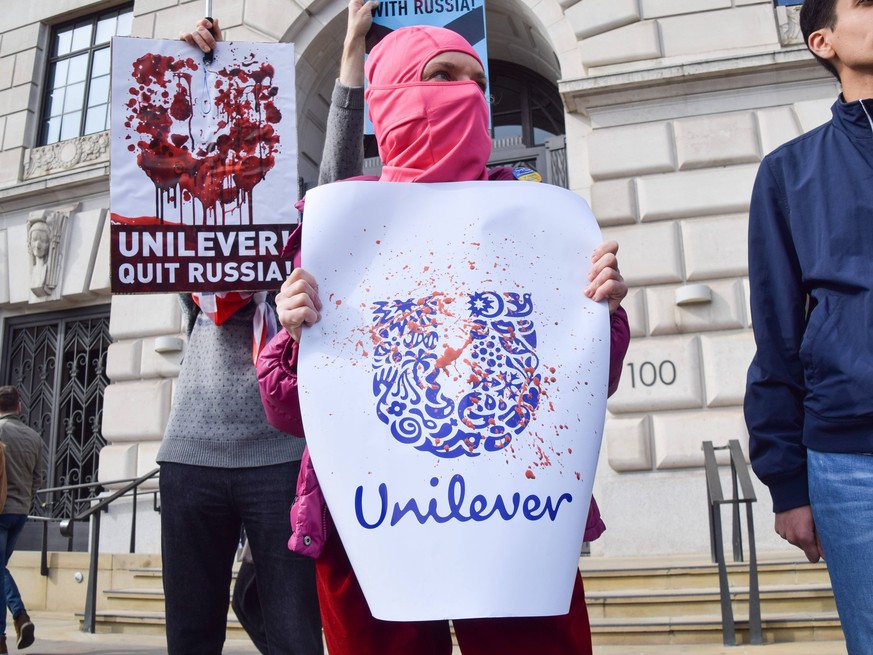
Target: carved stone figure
[38, 244]
[45, 234]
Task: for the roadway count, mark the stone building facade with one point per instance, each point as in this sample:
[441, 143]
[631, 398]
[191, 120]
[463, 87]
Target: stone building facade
[668, 106]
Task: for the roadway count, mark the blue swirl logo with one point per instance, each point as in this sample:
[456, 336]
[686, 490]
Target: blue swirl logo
[497, 362]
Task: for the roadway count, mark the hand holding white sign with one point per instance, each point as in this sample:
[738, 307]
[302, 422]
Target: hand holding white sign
[453, 391]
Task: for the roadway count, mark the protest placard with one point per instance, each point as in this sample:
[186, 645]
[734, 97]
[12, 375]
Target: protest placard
[203, 166]
[454, 391]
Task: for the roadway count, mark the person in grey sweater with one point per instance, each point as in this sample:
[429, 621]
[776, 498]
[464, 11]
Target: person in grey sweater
[218, 422]
[223, 467]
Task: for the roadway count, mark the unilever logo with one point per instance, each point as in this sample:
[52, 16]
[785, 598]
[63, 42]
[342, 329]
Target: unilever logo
[496, 368]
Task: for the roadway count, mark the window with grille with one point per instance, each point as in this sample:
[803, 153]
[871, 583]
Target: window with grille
[76, 101]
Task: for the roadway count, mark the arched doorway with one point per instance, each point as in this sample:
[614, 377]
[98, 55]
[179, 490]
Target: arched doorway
[528, 112]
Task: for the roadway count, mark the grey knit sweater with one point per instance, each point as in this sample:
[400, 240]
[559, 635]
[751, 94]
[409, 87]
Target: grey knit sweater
[217, 417]
[343, 154]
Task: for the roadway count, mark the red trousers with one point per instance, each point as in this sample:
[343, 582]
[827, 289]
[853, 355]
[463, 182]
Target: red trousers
[350, 629]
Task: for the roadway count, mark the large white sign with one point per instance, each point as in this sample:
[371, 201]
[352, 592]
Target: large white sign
[203, 167]
[454, 391]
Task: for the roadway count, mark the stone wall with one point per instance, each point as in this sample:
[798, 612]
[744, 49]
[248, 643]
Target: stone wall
[670, 105]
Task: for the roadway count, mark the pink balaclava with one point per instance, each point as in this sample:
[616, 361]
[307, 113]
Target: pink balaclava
[426, 131]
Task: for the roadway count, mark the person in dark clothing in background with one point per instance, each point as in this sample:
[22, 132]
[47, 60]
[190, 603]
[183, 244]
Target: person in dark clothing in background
[809, 397]
[24, 475]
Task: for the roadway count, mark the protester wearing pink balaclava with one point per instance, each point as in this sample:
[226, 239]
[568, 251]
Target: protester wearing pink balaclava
[427, 130]
[426, 98]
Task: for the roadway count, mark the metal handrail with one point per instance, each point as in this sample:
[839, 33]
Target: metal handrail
[93, 512]
[742, 493]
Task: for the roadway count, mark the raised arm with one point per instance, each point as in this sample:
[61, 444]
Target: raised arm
[343, 154]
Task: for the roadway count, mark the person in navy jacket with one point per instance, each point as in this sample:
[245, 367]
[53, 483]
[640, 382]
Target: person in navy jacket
[809, 396]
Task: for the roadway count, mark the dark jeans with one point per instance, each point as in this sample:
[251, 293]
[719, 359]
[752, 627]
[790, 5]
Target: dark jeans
[202, 510]
[247, 606]
[10, 529]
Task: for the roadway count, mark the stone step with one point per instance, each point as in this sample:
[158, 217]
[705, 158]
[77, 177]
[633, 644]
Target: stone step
[820, 626]
[775, 600]
[604, 574]
[142, 598]
[147, 623]
[634, 602]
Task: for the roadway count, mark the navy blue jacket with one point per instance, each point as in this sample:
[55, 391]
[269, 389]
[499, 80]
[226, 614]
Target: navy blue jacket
[810, 384]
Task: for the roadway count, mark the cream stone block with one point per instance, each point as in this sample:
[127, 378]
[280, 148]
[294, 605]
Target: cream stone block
[690, 194]
[747, 299]
[562, 38]
[660, 8]
[658, 374]
[117, 462]
[16, 123]
[596, 16]
[159, 365]
[148, 455]
[614, 202]
[272, 18]
[23, 38]
[715, 247]
[123, 360]
[10, 166]
[85, 231]
[648, 254]
[147, 6]
[245, 33]
[724, 312]
[19, 264]
[143, 26]
[136, 411]
[144, 315]
[549, 12]
[635, 306]
[16, 98]
[726, 358]
[25, 66]
[170, 21]
[100, 282]
[629, 444]
[625, 44]
[631, 150]
[728, 29]
[570, 63]
[148, 452]
[812, 113]
[776, 126]
[4, 269]
[679, 436]
[7, 71]
[716, 140]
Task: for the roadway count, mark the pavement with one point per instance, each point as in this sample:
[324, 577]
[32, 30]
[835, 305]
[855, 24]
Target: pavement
[58, 633]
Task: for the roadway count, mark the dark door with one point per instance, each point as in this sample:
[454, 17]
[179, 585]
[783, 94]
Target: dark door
[58, 363]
